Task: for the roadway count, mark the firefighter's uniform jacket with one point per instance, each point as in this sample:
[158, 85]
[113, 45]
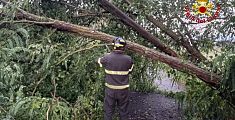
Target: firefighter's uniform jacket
[117, 68]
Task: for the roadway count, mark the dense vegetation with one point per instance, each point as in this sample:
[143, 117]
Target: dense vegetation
[49, 74]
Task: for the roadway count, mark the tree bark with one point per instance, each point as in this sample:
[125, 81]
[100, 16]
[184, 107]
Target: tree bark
[128, 21]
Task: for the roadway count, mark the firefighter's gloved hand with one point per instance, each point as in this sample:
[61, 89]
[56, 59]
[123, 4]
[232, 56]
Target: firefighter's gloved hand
[99, 61]
[130, 70]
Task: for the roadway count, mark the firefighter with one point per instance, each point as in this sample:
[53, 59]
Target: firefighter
[117, 67]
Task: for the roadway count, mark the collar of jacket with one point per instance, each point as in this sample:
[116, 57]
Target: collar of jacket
[118, 51]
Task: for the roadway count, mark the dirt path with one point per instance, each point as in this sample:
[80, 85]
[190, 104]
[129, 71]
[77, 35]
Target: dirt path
[150, 106]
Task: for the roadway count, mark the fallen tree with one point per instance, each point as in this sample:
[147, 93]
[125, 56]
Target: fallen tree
[211, 79]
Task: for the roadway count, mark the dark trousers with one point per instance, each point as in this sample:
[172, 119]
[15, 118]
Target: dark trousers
[113, 98]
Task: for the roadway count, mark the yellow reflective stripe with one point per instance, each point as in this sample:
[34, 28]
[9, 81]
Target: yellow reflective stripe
[116, 72]
[131, 68]
[99, 62]
[116, 87]
[119, 45]
[122, 40]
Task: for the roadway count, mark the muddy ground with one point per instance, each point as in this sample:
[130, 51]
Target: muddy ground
[151, 106]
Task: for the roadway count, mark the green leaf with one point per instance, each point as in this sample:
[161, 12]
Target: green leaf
[23, 32]
[19, 105]
[16, 38]
[10, 43]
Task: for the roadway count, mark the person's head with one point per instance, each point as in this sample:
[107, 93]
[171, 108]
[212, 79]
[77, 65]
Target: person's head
[119, 44]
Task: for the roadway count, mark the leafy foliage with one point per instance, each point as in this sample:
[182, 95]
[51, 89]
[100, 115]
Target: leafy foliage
[203, 103]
